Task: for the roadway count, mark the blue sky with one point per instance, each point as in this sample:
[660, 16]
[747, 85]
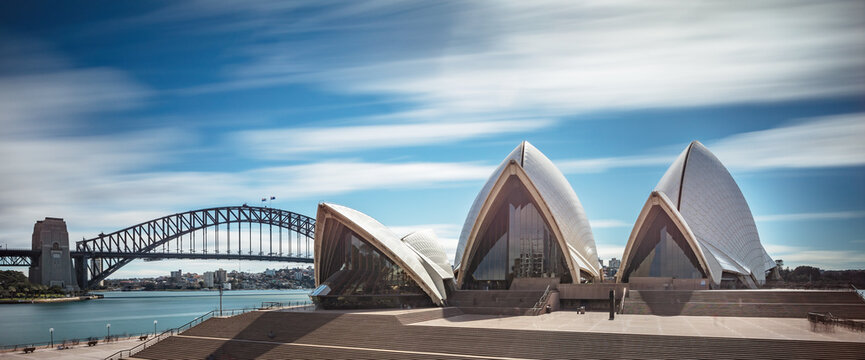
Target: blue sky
[114, 113]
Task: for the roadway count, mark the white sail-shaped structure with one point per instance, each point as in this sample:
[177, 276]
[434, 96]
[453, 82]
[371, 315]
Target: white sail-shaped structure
[362, 263]
[696, 224]
[526, 222]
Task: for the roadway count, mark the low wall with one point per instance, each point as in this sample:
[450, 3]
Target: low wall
[539, 284]
[590, 291]
[666, 283]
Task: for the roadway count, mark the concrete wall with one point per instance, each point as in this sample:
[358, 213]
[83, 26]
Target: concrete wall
[590, 291]
[666, 283]
[534, 283]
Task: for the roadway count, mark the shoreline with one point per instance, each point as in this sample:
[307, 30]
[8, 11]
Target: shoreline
[52, 300]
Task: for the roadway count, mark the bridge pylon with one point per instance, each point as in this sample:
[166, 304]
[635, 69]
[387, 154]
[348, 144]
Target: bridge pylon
[54, 265]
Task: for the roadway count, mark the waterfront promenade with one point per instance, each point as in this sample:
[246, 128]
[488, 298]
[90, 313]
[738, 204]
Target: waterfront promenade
[128, 312]
[82, 351]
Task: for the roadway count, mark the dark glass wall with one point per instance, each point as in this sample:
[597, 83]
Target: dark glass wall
[662, 251]
[358, 268]
[515, 242]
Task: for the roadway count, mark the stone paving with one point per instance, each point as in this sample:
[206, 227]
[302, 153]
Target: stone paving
[708, 326]
[100, 351]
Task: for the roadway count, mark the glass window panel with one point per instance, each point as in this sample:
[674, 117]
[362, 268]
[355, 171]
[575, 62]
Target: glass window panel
[662, 251]
[363, 270]
[515, 242]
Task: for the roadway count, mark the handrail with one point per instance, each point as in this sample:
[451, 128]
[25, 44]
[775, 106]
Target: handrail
[167, 333]
[540, 303]
[855, 290]
[624, 295]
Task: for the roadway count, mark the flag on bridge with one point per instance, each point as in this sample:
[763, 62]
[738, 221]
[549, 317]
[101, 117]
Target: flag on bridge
[273, 198]
[263, 199]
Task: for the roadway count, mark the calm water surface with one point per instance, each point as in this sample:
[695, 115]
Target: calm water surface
[127, 312]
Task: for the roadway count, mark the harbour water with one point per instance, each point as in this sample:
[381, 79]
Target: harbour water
[129, 312]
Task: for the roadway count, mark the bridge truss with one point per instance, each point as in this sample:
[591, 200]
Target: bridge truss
[215, 233]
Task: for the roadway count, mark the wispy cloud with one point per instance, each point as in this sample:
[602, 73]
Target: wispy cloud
[287, 142]
[832, 141]
[561, 57]
[838, 215]
[598, 165]
[825, 259]
[608, 223]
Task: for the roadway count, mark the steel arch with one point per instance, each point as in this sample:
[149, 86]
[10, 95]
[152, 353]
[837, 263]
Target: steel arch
[106, 253]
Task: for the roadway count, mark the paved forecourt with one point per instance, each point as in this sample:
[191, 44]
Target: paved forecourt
[692, 326]
[446, 333]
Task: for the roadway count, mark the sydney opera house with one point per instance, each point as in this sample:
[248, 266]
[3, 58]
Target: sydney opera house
[695, 227]
[528, 230]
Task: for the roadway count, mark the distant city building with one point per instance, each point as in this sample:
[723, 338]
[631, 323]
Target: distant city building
[221, 276]
[601, 262]
[298, 275]
[269, 272]
[615, 263]
[209, 277]
[177, 276]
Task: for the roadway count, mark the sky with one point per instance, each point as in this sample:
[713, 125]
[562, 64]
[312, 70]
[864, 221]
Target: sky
[115, 113]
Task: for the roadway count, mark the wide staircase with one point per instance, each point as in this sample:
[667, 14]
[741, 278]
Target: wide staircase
[495, 302]
[745, 303]
[335, 335]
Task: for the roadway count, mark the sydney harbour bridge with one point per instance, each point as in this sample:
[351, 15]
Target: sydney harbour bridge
[221, 233]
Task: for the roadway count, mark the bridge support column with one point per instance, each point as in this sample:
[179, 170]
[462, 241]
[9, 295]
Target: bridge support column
[54, 267]
[81, 271]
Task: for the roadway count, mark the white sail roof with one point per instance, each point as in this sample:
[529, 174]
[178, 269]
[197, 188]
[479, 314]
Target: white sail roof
[714, 209]
[556, 194]
[385, 241]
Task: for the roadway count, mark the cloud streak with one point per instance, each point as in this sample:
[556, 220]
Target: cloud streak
[274, 143]
[838, 215]
[825, 259]
[561, 57]
[831, 141]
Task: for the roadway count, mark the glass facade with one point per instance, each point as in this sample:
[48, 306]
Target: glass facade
[662, 251]
[358, 268]
[515, 242]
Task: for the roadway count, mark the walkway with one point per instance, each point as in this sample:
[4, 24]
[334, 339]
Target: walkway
[692, 326]
[100, 351]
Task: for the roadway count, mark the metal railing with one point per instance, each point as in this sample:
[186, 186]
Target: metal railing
[539, 306]
[622, 304]
[300, 305]
[855, 290]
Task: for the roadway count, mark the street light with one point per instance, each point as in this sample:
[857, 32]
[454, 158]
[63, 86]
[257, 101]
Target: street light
[154, 327]
[108, 326]
[51, 330]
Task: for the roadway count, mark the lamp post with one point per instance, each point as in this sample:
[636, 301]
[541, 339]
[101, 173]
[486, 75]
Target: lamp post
[221, 288]
[51, 331]
[108, 327]
[154, 327]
